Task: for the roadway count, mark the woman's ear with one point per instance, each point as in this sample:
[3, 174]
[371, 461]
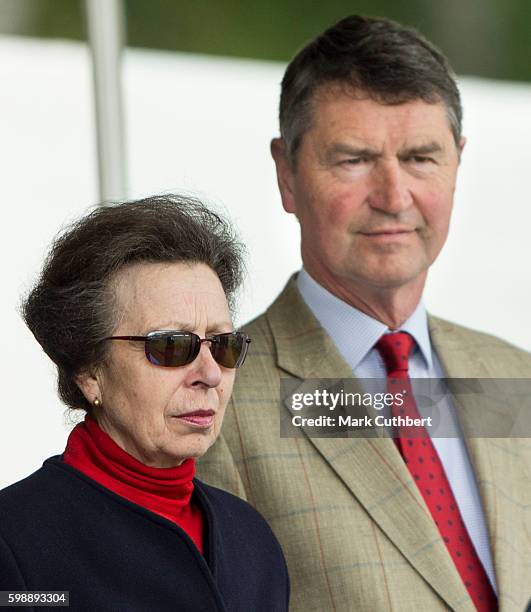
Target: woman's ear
[90, 385]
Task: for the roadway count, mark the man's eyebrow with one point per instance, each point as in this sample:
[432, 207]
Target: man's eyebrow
[426, 149]
[371, 154]
[352, 151]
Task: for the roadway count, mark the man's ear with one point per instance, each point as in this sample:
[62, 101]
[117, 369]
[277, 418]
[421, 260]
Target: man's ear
[461, 146]
[89, 385]
[284, 174]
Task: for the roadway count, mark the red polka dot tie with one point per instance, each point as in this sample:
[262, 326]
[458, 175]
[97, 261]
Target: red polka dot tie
[417, 450]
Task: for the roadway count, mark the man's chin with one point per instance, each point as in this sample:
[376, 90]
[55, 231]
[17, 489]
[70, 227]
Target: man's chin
[393, 278]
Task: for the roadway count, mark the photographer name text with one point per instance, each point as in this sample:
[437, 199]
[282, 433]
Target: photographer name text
[365, 421]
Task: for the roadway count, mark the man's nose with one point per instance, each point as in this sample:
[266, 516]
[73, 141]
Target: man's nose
[391, 189]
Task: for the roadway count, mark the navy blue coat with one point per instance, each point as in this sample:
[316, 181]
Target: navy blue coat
[60, 530]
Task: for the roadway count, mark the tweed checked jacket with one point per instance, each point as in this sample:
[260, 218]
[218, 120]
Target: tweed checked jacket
[355, 530]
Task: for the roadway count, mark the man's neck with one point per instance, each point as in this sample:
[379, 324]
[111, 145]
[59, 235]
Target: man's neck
[390, 305]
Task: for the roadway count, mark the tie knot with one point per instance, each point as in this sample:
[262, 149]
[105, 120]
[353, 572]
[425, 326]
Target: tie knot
[395, 349]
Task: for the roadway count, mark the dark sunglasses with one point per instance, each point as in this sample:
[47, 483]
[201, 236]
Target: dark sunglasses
[172, 349]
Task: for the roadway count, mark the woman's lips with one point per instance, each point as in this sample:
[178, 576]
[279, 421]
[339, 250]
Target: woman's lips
[198, 418]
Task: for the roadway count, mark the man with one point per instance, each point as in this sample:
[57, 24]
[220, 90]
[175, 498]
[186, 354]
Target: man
[370, 122]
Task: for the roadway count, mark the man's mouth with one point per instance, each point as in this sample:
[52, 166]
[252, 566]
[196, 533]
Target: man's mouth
[389, 234]
[388, 231]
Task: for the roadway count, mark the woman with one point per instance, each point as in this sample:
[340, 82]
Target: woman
[132, 308]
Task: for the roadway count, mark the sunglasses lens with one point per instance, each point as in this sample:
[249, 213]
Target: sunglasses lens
[172, 350]
[229, 350]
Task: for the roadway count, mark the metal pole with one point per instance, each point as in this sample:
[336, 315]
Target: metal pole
[106, 34]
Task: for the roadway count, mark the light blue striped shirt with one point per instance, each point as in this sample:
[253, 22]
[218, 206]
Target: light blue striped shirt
[343, 322]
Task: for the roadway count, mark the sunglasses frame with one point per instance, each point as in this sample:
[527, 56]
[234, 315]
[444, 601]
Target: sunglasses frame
[197, 341]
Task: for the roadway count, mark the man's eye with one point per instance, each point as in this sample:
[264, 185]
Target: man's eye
[420, 159]
[353, 161]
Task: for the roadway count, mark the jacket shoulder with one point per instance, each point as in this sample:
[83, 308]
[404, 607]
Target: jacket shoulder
[31, 487]
[259, 329]
[287, 315]
[507, 359]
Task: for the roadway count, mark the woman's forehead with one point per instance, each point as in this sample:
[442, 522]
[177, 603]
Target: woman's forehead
[158, 294]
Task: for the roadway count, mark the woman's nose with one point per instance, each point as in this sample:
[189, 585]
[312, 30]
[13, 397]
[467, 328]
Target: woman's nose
[205, 369]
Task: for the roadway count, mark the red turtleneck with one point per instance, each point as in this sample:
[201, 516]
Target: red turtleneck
[164, 491]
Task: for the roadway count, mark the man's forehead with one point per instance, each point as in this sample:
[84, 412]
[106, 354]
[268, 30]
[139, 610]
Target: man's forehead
[342, 94]
[356, 114]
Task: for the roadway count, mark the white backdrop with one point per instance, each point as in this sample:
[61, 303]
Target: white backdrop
[203, 125]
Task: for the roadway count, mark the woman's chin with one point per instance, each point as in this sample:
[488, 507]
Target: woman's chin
[194, 449]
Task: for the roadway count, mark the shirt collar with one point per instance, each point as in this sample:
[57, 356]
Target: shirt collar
[336, 316]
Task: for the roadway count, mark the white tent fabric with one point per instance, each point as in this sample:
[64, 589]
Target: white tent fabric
[203, 125]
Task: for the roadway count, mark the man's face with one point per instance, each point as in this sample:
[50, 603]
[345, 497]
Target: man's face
[372, 187]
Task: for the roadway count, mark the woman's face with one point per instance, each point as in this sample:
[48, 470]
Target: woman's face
[143, 404]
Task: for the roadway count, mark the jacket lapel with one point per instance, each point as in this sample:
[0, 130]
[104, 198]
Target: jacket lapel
[498, 466]
[372, 469]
